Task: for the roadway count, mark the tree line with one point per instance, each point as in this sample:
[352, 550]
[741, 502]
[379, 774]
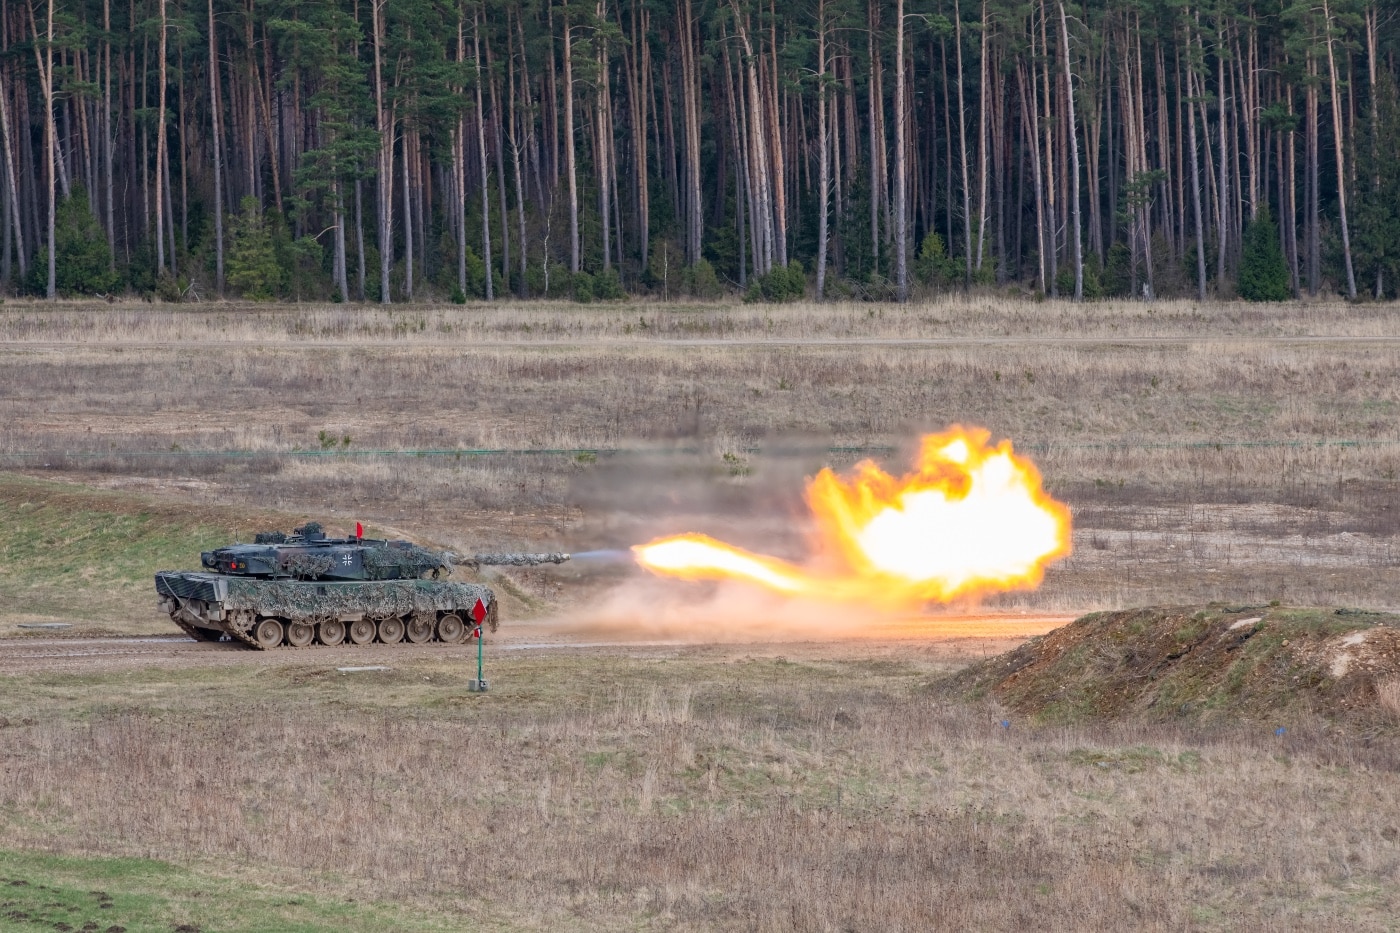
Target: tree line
[384, 150]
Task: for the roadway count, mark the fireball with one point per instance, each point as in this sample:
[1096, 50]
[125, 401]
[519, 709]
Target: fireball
[969, 520]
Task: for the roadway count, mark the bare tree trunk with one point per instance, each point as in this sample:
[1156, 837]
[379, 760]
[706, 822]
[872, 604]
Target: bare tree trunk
[51, 144]
[1074, 159]
[384, 121]
[877, 136]
[339, 271]
[600, 136]
[901, 182]
[359, 239]
[1223, 233]
[1314, 208]
[637, 99]
[10, 182]
[1052, 213]
[758, 172]
[824, 184]
[689, 101]
[1195, 183]
[1030, 117]
[1341, 162]
[408, 219]
[982, 82]
[775, 124]
[571, 169]
[107, 135]
[517, 119]
[217, 144]
[459, 170]
[481, 151]
[962, 142]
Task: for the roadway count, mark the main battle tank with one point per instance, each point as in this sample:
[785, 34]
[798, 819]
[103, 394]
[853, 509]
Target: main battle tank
[308, 589]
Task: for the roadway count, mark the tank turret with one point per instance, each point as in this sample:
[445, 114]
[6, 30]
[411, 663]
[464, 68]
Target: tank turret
[308, 554]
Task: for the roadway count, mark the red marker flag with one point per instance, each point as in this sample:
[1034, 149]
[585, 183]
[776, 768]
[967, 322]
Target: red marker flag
[359, 530]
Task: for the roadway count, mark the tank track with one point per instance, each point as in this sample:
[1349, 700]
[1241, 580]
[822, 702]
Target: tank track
[187, 628]
[237, 633]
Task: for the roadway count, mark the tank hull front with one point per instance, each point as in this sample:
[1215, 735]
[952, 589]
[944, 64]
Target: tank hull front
[210, 606]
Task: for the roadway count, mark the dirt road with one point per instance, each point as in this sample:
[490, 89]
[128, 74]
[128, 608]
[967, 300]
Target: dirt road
[932, 638]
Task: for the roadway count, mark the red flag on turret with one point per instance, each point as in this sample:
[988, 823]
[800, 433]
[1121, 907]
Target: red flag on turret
[359, 530]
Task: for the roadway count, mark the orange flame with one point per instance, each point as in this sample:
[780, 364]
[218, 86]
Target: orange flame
[970, 520]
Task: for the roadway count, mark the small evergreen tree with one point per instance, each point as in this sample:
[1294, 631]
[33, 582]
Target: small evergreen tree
[1376, 230]
[934, 267]
[83, 263]
[252, 262]
[1263, 270]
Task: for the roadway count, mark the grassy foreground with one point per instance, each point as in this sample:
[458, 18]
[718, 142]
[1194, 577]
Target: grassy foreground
[693, 789]
[137, 895]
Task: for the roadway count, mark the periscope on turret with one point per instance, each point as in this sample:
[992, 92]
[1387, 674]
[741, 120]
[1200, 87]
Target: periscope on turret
[306, 588]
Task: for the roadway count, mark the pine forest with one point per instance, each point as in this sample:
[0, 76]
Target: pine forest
[401, 150]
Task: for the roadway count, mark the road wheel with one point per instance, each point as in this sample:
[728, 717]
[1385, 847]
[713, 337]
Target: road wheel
[420, 630]
[362, 631]
[300, 634]
[451, 628]
[268, 633]
[332, 632]
[391, 630]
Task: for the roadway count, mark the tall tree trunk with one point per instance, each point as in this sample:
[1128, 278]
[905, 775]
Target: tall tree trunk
[10, 182]
[216, 143]
[1341, 162]
[824, 183]
[1074, 158]
[50, 146]
[360, 271]
[108, 141]
[901, 182]
[962, 143]
[690, 93]
[384, 121]
[518, 131]
[571, 169]
[1195, 181]
[1052, 213]
[408, 218]
[1030, 117]
[498, 151]
[1314, 205]
[481, 152]
[984, 115]
[1223, 234]
[459, 168]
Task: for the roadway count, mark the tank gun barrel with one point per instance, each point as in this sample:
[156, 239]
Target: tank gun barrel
[510, 560]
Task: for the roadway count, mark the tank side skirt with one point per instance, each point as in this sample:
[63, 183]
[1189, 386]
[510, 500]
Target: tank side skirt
[243, 601]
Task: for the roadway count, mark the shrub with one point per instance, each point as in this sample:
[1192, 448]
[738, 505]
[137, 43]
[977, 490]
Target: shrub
[607, 286]
[701, 281]
[83, 263]
[583, 288]
[783, 283]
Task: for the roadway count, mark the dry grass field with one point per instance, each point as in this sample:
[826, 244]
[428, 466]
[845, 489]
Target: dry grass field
[696, 789]
[1217, 452]
[1229, 452]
